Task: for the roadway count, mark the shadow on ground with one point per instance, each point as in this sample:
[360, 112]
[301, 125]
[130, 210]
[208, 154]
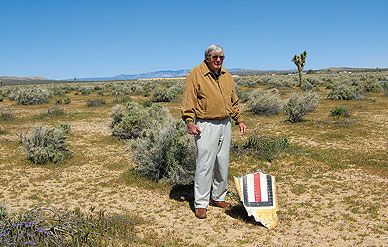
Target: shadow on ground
[238, 212]
[183, 193]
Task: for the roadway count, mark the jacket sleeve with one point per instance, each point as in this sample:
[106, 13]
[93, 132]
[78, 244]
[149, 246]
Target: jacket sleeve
[237, 115]
[189, 99]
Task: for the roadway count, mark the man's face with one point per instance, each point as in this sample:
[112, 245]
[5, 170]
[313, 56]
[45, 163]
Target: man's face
[215, 60]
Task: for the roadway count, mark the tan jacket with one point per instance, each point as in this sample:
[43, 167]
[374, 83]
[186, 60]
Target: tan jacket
[207, 98]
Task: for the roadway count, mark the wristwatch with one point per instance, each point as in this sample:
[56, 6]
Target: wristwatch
[188, 120]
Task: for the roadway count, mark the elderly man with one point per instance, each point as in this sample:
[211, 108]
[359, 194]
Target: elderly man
[209, 102]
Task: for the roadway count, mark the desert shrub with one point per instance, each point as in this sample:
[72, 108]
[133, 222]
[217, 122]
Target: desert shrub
[167, 153]
[135, 120]
[86, 90]
[58, 91]
[31, 96]
[164, 95]
[243, 96]
[64, 127]
[54, 227]
[298, 106]
[6, 113]
[2, 130]
[58, 101]
[264, 102]
[122, 99]
[3, 211]
[66, 100]
[280, 82]
[52, 112]
[45, 144]
[263, 147]
[340, 111]
[95, 102]
[306, 85]
[373, 86]
[345, 91]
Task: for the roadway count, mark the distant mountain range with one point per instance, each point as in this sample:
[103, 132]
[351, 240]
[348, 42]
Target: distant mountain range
[174, 73]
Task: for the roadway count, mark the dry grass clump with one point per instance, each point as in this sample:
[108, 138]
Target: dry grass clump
[45, 144]
[262, 147]
[340, 111]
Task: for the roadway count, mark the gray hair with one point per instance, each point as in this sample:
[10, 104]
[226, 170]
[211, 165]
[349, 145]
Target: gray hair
[213, 47]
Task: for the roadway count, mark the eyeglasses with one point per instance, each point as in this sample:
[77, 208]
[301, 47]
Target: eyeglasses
[220, 57]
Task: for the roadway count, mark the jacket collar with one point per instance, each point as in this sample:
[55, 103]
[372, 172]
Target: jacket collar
[205, 70]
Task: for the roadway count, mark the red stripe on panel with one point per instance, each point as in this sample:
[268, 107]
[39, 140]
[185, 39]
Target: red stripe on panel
[257, 187]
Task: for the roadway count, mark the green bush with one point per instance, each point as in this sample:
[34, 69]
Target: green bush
[45, 144]
[54, 227]
[166, 153]
[264, 102]
[95, 102]
[298, 106]
[340, 111]
[6, 113]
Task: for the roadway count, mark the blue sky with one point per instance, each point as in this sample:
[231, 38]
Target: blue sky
[64, 39]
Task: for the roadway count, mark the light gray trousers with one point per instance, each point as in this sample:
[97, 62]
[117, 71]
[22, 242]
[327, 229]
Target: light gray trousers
[211, 173]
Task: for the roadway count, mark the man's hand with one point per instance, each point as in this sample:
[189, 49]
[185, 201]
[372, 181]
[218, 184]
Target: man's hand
[243, 128]
[192, 129]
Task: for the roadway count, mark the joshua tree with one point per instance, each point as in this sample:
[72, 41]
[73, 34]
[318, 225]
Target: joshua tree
[299, 62]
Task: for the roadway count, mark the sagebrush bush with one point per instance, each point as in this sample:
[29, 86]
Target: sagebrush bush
[345, 91]
[166, 153]
[64, 127]
[54, 227]
[45, 144]
[164, 95]
[298, 106]
[373, 86]
[264, 102]
[340, 111]
[95, 102]
[6, 113]
[264, 147]
[134, 121]
[53, 112]
[31, 95]
[66, 100]
[243, 96]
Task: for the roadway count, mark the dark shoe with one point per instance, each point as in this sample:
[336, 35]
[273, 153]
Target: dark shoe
[220, 204]
[200, 213]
